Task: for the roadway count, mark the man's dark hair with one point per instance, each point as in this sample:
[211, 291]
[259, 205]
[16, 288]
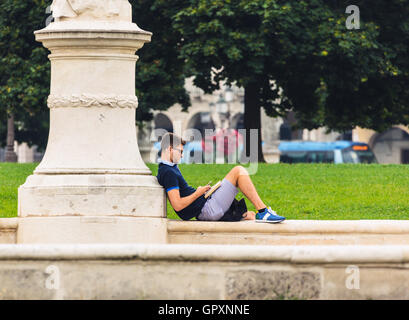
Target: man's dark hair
[170, 139]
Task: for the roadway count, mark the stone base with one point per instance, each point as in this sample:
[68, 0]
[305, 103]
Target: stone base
[89, 229]
[91, 195]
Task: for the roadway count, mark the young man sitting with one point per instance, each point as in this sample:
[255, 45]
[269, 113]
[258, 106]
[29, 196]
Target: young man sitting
[189, 202]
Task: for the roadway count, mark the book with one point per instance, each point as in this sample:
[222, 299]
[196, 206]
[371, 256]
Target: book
[213, 189]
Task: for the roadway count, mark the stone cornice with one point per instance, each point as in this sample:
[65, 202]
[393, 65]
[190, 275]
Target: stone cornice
[92, 100]
[317, 255]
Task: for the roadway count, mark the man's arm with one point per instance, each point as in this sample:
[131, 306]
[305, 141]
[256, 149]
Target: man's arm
[179, 203]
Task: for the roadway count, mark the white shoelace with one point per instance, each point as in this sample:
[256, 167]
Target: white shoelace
[272, 212]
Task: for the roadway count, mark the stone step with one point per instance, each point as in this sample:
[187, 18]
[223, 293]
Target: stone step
[8, 230]
[291, 232]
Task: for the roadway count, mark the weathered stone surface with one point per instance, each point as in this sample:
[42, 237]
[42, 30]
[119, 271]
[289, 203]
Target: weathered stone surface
[90, 9]
[20, 282]
[111, 279]
[130, 271]
[91, 229]
[8, 230]
[99, 195]
[8, 236]
[291, 232]
[92, 165]
[272, 284]
[372, 282]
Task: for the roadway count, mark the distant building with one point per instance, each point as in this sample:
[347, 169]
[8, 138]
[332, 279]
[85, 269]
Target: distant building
[391, 146]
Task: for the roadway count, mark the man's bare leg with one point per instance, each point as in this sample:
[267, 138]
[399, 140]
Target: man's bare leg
[240, 178]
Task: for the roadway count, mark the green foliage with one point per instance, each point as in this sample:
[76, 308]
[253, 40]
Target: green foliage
[328, 75]
[24, 71]
[160, 72]
[298, 51]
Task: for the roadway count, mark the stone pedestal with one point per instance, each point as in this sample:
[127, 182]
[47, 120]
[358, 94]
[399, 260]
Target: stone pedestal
[92, 166]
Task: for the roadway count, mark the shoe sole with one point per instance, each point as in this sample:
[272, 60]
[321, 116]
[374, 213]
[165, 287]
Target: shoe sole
[267, 221]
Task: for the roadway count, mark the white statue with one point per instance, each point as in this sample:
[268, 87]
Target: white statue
[90, 8]
[62, 8]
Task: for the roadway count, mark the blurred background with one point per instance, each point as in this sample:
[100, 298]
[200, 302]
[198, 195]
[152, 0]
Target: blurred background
[322, 83]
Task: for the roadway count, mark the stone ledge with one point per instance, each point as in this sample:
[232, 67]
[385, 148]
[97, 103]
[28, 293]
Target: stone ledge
[294, 227]
[387, 254]
[91, 229]
[8, 230]
[8, 224]
[291, 232]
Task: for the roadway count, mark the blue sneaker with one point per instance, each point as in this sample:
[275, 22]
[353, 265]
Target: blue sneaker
[269, 216]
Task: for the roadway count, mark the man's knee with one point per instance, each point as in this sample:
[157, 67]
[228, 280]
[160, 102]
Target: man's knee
[235, 173]
[240, 170]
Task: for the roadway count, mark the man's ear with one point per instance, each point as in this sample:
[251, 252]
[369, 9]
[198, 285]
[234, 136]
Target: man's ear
[169, 150]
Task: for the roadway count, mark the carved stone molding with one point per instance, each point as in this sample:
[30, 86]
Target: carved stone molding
[92, 100]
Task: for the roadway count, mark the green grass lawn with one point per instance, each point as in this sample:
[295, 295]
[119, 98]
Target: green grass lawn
[301, 191]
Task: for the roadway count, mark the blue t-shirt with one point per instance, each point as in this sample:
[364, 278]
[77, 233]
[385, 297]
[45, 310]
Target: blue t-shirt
[170, 177]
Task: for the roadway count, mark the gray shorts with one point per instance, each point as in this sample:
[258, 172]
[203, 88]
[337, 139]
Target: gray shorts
[219, 202]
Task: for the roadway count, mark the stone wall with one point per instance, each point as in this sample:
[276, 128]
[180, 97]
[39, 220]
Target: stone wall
[203, 272]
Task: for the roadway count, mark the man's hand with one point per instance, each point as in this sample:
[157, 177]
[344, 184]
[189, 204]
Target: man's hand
[249, 215]
[202, 190]
[179, 203]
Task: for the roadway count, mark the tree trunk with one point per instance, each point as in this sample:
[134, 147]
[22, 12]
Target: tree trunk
[252, 120]
[10, 156]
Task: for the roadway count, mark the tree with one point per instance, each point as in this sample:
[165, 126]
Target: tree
[287, 54]
[373, 91]
[24, 71]
[299, 55]
[161, 72]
